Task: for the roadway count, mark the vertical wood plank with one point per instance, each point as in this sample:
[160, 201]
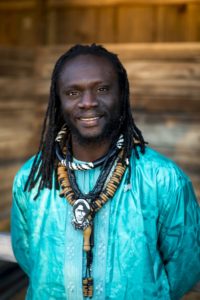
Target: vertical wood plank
[171, 23]
[38, 22]
[51, 27]
[76, 25]
[18, 26]
[135, 24]
[27, 32]
[105, 25]
[193, 23]
[160, 28]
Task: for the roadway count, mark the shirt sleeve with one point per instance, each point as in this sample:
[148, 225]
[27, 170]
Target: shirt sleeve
[179, 237]
[19, 228]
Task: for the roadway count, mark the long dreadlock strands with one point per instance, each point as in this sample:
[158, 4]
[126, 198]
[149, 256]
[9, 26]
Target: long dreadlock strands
[130, 128]
[45, 160]
[30, 183]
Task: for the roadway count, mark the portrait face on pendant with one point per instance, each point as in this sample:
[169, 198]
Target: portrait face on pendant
[80, 214]
[90, 99]
[81, 210]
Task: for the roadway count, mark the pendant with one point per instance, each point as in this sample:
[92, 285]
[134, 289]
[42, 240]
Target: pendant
[87, 287]
[81, 210]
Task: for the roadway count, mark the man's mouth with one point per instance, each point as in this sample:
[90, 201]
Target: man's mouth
[88, 121]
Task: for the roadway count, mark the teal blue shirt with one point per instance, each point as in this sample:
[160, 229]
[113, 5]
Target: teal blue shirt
[147, 238]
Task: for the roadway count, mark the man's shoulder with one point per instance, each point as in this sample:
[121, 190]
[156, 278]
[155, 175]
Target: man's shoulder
[24, 171]
[158, 165]
[153, 158]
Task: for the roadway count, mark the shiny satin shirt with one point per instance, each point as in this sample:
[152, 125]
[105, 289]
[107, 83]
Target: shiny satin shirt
[147, 238]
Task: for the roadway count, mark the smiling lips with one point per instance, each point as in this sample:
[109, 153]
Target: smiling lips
[89, 121]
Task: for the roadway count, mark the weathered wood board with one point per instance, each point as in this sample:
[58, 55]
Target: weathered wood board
[39, 22]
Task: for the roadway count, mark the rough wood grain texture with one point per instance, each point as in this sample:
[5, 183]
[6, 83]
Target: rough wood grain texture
[136, 23]
[7, 173]
[38, 22]
[51, 34]
[193, 21]
[84, 29]
[169, 18]
[17, 123]
[9, 86]
[157, 51]
[17, 5]
[163, 70]
[106, 24]
[57, 3]
[19, 28]
[170, 52]
[5, 205]
[5, 224]
[16, 62]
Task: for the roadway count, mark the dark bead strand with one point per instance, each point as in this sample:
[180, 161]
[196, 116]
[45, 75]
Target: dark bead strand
[98, 186]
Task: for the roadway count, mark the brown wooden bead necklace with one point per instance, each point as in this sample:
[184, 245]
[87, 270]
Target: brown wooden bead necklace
[85, 210]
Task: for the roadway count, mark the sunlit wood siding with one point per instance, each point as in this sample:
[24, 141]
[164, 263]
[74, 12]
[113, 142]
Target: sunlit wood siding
[38, 22]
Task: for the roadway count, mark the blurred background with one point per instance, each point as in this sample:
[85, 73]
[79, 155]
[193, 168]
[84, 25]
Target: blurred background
[159, 44]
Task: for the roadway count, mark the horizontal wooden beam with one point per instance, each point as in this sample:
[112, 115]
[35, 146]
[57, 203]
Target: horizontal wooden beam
[85, 3]
[133, 51]
[17, 5]
[34, 4]
[157, 51]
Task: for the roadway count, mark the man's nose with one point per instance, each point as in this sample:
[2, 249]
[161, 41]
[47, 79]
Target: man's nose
[88, 100]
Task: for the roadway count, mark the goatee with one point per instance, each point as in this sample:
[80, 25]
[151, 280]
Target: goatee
[109, 132]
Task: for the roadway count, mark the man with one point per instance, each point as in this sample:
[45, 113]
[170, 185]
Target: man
[139, 238]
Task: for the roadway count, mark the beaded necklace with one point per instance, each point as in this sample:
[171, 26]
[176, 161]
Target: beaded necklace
[67, 161]
[85, 206]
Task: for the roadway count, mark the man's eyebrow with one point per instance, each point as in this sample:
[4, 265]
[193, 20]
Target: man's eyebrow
[71, 86]
[77, 85]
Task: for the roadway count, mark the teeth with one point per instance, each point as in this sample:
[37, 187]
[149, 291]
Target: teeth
[89, 119]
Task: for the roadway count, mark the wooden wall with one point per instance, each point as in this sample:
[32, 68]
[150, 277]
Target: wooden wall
[165, 97]
[47, 22]
[16, 119]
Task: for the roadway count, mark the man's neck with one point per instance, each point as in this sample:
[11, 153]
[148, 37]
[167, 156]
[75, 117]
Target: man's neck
[89, 152]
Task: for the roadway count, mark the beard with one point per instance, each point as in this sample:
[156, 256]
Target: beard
[109, 131]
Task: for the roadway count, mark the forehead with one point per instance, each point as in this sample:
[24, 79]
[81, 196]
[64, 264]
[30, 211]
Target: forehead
[91, 66]
[80, 206]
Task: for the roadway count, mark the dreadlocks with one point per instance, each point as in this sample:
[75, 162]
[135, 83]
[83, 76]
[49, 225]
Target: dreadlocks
[45, 159]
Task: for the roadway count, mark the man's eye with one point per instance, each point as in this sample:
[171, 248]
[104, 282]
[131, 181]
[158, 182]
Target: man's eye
[103, 89]
[72, 93]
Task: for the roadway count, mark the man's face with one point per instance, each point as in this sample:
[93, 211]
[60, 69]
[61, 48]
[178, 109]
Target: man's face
[89, 94]
[80, 214]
